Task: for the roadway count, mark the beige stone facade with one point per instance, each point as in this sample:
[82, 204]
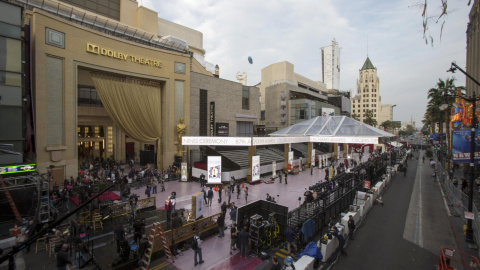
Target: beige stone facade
[368, 96]
[289, 98]
[60, 70]
[227, 96]
[473, 49]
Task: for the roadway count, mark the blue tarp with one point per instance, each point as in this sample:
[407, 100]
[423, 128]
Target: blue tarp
[311, 250]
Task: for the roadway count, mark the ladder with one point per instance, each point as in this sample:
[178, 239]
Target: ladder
[163, 241]
[147, 256]
[11, 202]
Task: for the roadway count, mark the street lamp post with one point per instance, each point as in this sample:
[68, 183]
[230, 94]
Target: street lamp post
[473, 100]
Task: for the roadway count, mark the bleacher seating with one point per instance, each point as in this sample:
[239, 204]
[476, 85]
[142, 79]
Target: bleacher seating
[303, 148]
[240, 157]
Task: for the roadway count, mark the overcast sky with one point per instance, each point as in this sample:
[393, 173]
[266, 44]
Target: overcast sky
[272, 31]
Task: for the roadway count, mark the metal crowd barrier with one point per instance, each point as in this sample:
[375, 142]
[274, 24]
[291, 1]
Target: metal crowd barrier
[341, 197]
[459, 203]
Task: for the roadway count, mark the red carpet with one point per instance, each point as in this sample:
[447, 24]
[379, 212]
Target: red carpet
[107, 196]
[236, 262]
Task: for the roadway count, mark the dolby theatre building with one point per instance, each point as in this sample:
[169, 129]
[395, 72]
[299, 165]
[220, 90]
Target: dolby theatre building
[102, 69]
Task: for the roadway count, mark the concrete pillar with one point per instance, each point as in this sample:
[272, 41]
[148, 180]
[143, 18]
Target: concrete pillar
[252, 150]
[286, 149]
[309, 154]
[345, 150]
[335, 151]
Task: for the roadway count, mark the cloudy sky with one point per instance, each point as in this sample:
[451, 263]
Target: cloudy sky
[272, 31]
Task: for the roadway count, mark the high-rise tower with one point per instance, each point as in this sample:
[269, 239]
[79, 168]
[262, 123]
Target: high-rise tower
[368, 92]
[331, 66]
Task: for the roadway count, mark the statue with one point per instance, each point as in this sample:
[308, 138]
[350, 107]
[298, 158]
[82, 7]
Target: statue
[181, 128]
[242, 77]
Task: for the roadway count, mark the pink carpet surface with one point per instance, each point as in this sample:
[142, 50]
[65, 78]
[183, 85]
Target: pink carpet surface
[107, 196]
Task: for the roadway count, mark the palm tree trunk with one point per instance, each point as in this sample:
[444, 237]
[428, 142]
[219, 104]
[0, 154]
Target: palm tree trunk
[449, 147]
[440, 131]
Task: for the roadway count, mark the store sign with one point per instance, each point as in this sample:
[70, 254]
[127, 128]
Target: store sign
[203, 140]
[222, 129]
[95, 49]
[212, 118]
[17, 169]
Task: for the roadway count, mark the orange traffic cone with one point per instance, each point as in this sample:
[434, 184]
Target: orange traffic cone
[15, 230]
[215, 188]
[243, 184]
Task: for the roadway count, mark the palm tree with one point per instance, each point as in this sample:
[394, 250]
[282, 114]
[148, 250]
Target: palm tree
[437, 96]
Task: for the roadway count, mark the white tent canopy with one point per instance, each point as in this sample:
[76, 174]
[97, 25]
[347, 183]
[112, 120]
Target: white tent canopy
[332, 126]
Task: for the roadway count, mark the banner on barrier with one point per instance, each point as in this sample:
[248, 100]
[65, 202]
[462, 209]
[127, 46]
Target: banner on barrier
[313, 158]
[274, 169]
[290, 160]
[184, 172]
[214, 170]
[255, 168]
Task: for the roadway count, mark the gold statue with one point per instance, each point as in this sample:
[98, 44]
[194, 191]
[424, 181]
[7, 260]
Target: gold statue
[181, 128]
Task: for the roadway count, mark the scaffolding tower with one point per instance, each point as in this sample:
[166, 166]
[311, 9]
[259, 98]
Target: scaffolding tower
[41, 182]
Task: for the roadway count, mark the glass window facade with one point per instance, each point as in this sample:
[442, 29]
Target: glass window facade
[304, 109]
[88, 97]
[244, 129]
[203, 113]
[245, 97]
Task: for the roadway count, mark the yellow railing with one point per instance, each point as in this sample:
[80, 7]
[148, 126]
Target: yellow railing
[120, 209]
[187, 231]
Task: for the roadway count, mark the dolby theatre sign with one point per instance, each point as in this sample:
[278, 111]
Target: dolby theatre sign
[95, 49]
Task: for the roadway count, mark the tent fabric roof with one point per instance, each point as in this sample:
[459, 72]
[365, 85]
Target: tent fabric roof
[340, 126]
[368, 64]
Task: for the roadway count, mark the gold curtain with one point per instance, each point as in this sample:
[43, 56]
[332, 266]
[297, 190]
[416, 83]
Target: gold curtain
[134, 105]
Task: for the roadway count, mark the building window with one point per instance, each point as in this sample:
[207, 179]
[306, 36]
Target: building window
[179, 68]
[203, 113]
[87, 96]
[375, 110]
[262, 115]
[353, 106]
[245, 97]
[374, 115]
[363, 111]
[367, 105]
[244, 129]
[302, 114]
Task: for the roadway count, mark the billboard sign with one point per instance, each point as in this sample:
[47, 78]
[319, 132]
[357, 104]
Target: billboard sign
[461, 145]
[17, 169]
